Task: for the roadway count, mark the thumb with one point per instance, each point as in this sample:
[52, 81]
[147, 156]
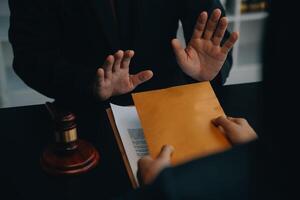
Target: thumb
[225, 123]
[144, 162]
[166, 153]
[140, 78]
[178, 50]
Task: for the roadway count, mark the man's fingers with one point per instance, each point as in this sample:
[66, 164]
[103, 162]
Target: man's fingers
[127, 58]
[108, 65]
[166, 153]
[100, 73]
[178, 50]
[141, 77]
[225, 123]
[200, 26]
[239, 121]
[212, 24]
[144, 162]
[230, 42]
[219, 34]
[118, 59]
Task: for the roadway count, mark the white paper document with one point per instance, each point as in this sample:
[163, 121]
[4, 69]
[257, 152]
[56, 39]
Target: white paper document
[131, 134]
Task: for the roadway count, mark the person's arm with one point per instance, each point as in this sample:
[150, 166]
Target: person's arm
[237, 130]
[220, 176]
[225, 175]
[190, 14]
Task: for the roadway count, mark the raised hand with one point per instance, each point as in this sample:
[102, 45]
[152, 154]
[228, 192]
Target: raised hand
[204, 56]
[113, 77]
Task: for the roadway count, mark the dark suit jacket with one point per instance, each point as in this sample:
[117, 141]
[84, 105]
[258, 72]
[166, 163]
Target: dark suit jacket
[233, 175]
[59, 44]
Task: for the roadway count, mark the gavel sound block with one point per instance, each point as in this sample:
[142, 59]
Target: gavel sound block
[68, 155]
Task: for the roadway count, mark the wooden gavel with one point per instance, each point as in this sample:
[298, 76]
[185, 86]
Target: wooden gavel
[68, 155]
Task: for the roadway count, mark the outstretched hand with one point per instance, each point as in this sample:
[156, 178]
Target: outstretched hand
[204, 56]
[237, 130]
[149, 168]
[113, 77]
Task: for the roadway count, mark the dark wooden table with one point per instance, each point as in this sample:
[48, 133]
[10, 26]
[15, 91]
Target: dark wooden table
[25, 131]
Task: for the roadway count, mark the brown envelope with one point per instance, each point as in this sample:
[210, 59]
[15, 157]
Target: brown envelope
[181, 116]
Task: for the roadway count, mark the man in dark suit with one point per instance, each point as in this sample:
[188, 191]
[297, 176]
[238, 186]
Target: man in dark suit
[79, 51]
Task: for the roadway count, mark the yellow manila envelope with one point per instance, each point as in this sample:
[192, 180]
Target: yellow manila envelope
[181, 116]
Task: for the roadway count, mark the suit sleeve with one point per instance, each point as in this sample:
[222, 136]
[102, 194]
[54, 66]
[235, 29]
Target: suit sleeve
[228, 175]
[36, 37]
[188, 16]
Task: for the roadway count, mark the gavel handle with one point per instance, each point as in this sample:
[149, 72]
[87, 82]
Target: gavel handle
[51, 110]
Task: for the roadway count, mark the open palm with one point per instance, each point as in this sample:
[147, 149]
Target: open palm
[204, 56]
[114, 79]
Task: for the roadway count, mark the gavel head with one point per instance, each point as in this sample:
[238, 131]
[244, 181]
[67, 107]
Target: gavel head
[65, 127]
[65, 131]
